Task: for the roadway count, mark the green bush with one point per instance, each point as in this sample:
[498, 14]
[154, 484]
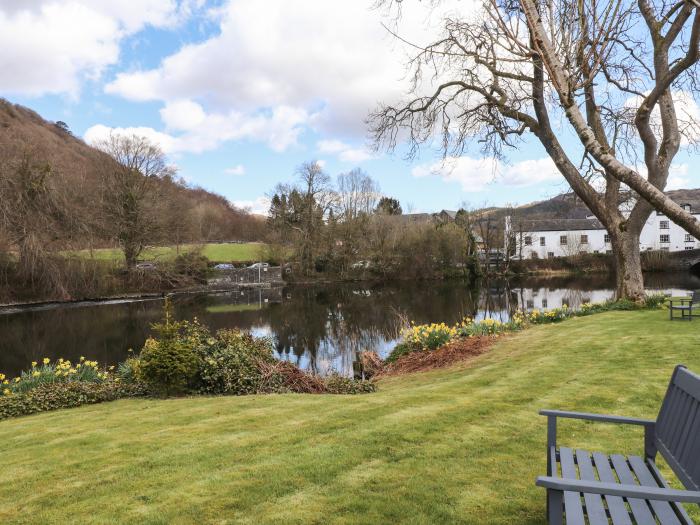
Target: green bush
[191, 264]
[337, 384]
[400, 350]
[128, 371]
[231, 363]
[51, 396]
[169, 363]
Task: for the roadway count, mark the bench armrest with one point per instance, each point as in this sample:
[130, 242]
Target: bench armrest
[602, 418]
[648, 424]
[616, 489]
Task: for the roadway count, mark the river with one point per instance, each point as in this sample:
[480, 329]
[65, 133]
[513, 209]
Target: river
[321, 328]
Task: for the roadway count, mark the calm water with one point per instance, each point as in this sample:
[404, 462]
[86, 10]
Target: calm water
[320, 328]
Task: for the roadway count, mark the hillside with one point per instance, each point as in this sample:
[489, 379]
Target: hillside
[76, 171]
[569, 206]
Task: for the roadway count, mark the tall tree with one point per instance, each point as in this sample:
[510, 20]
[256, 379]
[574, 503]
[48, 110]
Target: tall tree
[130, 192]
[613, 74]
[389, 206]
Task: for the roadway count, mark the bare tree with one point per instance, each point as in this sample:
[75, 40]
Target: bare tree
[610, 73]
[130, 191]
[357, 194]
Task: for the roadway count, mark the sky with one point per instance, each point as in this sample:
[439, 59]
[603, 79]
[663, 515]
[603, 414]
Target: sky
[239, 93]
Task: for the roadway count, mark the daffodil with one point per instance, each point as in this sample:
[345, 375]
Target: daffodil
[47, 360]
[33, 364]
[7, 392]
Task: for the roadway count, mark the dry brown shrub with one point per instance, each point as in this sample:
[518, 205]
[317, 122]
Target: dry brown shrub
[291, 378]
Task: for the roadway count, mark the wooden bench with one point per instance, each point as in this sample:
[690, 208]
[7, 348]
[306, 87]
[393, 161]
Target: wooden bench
[685, 307]
[598, 488]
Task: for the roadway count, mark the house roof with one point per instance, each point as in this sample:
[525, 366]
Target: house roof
[546, 225]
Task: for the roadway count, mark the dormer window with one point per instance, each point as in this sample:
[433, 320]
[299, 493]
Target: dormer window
[686, 207]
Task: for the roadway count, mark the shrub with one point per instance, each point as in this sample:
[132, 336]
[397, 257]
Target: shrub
[168, 364]
[191, 264]
[65, 395]
[231, 363]
[401, 349]
[129, 371]
[337, 384]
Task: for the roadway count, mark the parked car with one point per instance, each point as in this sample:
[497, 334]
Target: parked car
[146, 266]
[361, 265]
[259, 265]
[224, 266]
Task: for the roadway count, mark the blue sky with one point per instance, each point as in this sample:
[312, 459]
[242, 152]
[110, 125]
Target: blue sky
[240, 92]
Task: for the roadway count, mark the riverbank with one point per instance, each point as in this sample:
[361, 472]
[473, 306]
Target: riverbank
[446, 446]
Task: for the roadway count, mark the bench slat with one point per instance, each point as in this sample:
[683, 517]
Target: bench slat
[616, 506]
[595, 510]
[680, 510]
[663, 509]
[572, 500]
[639, 507]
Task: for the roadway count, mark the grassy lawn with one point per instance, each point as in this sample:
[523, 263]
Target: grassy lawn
[215, 252]
[462, 445]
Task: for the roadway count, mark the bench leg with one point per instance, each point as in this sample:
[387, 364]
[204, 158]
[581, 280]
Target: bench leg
[555, 507]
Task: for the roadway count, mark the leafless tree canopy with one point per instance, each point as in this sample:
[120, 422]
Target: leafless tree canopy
[605, 86]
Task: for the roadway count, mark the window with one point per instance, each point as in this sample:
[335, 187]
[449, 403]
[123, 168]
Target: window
[528, 241]
[584, 239]
[606, 237]
[663, 225]
[689, 248]
[544, 303]
[530, 303]
[688, 238]
[686, 207]
[542, 241]
[533, 255]
[665, 237]
[563, 240]
[596, 251]
[550, 255]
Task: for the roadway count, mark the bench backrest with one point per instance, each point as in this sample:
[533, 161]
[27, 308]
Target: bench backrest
[677, 435]
[695, 298]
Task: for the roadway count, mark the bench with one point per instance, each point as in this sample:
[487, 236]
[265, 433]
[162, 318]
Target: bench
[597, 488]
[685, 307]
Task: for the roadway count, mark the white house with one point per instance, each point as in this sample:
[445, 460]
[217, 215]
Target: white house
[564, 237]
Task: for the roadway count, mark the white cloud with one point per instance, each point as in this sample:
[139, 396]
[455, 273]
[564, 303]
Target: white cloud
[52, 46]
[678, 177]
[100, 132]
[345, 152]
[236, 170]
[687, 112]
[191, 130]
[260, 206]
[331, 58]
[476, 174]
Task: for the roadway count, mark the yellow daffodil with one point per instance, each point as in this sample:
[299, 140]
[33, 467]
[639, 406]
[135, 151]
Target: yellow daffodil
[35, 373]
[33, 364]
[7, 392]
[47, 360]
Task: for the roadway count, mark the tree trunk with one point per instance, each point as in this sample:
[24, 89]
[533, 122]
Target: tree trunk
[628, 266]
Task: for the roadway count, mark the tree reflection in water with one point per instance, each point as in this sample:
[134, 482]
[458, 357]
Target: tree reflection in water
[321, 328]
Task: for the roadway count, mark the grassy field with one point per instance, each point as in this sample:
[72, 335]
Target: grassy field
[462, 445]
[249, 251]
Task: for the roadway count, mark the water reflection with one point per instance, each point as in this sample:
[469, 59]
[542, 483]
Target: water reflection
[320, 328]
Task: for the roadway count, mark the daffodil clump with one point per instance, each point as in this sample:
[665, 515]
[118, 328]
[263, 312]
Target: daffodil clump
[429, 336]
[60, 371]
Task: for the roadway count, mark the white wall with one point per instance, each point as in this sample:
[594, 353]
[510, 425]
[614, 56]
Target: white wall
[574, 245]
[650, 239]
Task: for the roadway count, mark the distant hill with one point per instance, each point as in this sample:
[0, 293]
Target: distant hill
[78, 167]
[569, 206]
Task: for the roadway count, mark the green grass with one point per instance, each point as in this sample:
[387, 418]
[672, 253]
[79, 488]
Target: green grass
[461, 445]
[215, 252]
[230, 308]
